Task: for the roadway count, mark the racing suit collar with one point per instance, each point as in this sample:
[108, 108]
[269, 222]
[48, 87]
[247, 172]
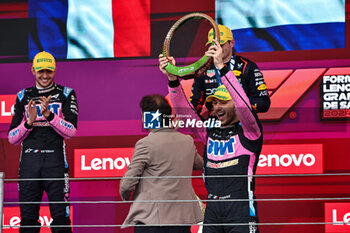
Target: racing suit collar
[45, 90]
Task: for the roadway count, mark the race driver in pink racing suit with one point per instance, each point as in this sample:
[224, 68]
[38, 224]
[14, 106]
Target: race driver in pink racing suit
[231, 150]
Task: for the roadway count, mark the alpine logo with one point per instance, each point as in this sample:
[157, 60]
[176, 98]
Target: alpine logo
[55, 96]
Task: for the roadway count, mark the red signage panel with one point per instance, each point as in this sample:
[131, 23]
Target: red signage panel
[339, 215]
[291, 159]
[105, 162]
[12, 219]
[6, 104]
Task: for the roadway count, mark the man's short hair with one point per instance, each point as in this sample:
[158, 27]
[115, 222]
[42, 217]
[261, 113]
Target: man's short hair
[152, 103]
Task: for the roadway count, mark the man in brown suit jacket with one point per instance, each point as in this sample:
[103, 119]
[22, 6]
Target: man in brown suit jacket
[164, 152]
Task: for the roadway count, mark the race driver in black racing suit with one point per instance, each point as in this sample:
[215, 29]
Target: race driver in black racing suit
[44, 115]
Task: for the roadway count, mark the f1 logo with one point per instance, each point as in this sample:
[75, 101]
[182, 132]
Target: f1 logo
[151, 120]
[286, 87]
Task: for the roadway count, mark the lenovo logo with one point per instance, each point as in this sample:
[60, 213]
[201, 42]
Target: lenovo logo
[291, 159]
[12, 219]
[339, 215]
[108, 162]
[104, 163]
[6, 107]
[287, 160]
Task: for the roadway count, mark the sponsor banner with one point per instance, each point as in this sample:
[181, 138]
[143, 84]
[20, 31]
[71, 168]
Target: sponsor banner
[12, 219]
[6, 107]
[339, 215]
[104, 162]
[291, 159]
[335, 97]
